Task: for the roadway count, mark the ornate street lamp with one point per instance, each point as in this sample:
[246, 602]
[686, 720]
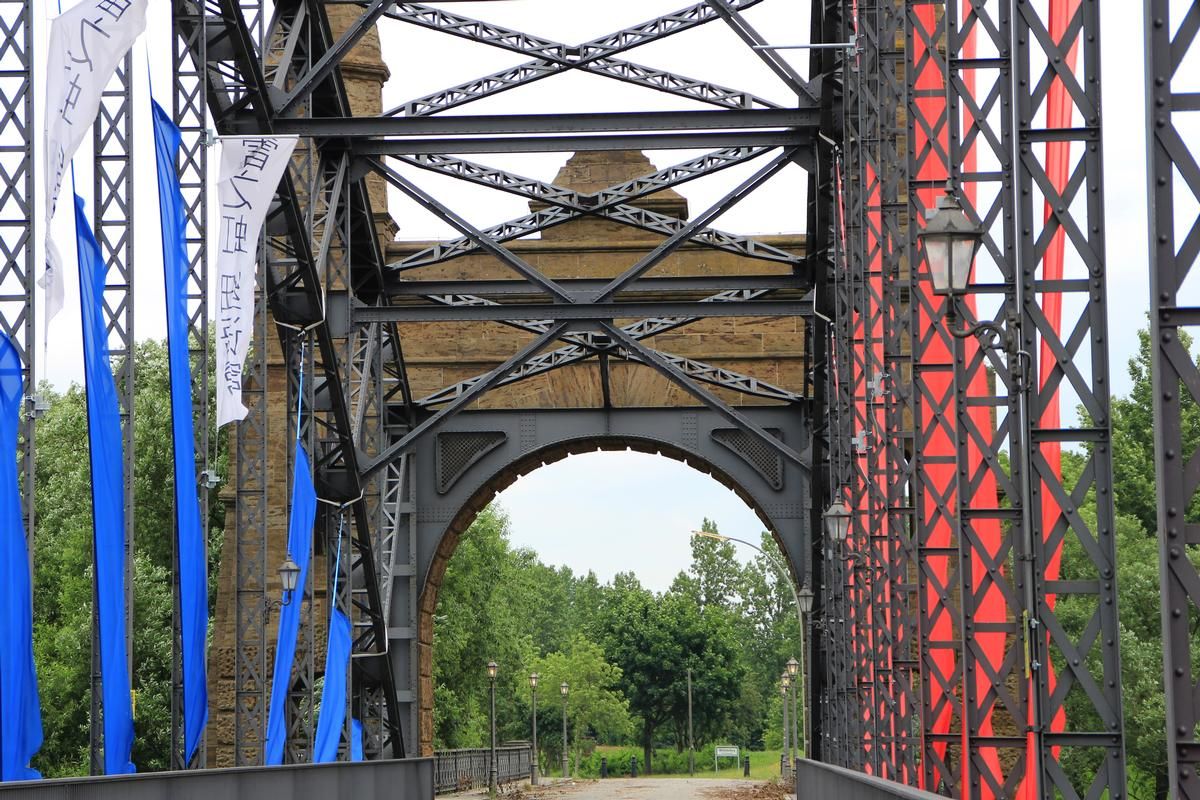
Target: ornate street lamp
[951, 242]
[533, 756]
[289, 575]
[805, 598]
[492, 669]
[837, 519]
[564, 689]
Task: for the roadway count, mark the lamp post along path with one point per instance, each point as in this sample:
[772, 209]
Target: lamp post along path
[800, 599]
[783, 758]
[533, 753]
[564, 688]
[492, 668]
[793, 669]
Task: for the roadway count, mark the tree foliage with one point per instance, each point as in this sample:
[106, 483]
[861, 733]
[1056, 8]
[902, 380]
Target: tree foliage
[63, 569]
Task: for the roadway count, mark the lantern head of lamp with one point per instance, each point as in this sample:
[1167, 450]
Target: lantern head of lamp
[837, 520]
[492, 668]
[951, 242]
[793, 666]
[785, 680]
[289, 576]
[533, 679]
[563, 688]
[783, 690]
[805, 596]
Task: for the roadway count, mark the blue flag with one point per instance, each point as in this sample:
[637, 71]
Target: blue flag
[300, 531]
[108, 501]
[20, 711]
[333, 696]
[356, 739]
[190, 551]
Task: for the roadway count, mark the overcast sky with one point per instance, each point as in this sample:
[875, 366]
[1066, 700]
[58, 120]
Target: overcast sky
[619, 511]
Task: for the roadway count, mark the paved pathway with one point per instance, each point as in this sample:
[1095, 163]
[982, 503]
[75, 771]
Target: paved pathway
[641, 789]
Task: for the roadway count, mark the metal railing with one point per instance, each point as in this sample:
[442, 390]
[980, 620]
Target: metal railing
[403, 778]
[459, 770]
[814, 779]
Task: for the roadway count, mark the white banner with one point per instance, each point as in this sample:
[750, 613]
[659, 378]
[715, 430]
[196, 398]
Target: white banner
[86, 44]
[250, 171]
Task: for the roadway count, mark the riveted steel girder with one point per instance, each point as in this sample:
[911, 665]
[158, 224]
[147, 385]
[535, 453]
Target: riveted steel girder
[1174, 180]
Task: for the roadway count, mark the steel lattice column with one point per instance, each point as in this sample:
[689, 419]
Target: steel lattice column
[1062, 262]
[17, 227]
[934, 452]
[826, 26]
[112, 222]
[897, 389]
[190, 112]
[1174, 180]
[991, 490]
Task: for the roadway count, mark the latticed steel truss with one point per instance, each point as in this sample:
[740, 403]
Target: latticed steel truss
[943, 659]
[968, 520]
[1174, 186]
[318, 248]
[942, 617]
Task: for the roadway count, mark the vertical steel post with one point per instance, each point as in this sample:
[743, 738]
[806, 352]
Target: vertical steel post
[1061, 255]
[492, 754]
[533, 751]
[112, 222]
[1173, 175]
[565, 757]
[18, 228]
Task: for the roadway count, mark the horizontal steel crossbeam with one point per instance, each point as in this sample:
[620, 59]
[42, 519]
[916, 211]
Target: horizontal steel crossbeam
[535, 124]
[582, 287]
[578, 311]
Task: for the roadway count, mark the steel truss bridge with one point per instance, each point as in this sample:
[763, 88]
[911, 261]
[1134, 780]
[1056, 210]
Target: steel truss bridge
[938, 658]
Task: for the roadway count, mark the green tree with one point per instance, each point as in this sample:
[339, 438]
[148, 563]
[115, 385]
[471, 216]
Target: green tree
[655, 640]
[594, 702]
[63, 568]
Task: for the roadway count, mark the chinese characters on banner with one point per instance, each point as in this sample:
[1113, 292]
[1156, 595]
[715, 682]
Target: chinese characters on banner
[86, 44]
[250, 170]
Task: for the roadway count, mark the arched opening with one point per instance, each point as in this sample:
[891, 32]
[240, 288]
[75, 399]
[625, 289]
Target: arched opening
[711, 494]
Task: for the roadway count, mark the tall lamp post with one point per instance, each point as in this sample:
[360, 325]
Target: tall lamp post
[951, 243]
[492, 668]
[533, 755]
[565, 689]
[783, 700]
[798, 599]
[805, 597]
[793, 668]
[837, 530]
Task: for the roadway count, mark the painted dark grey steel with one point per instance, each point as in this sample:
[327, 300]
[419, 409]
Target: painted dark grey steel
[190, 112]
[697, 140]
[580, 311]
[1173, 176]
[18, 222]
[1078, 358]
[583, 287]
[538, 124]
[112, 223]
[404, 779]
[533, 437]
[323, 213]
[458, 770]
[814, 779]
